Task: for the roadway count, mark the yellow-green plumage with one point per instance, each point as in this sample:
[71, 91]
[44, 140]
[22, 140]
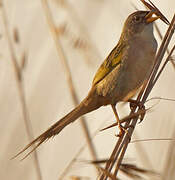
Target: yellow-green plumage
[110, 63]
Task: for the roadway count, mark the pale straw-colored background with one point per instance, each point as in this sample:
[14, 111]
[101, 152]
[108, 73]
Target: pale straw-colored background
[97, 25]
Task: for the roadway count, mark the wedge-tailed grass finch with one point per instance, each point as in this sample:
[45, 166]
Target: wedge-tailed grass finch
[120, 76]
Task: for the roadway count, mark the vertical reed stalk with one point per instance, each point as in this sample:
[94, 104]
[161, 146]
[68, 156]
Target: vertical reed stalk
[62, 57]
[20, 88]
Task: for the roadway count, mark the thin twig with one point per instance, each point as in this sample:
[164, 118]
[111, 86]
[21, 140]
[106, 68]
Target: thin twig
[20, 88]
[62, 57]
[125, 119]
[152, 139]
[160, 98]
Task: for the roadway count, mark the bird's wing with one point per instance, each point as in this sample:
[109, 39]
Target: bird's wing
[111, 62]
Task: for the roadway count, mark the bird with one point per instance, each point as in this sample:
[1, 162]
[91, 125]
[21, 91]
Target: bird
[120, 76]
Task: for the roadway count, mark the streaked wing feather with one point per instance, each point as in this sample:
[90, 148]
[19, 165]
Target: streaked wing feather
[112, 61]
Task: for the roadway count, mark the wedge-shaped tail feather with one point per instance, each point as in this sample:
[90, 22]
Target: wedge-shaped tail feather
[87, 105]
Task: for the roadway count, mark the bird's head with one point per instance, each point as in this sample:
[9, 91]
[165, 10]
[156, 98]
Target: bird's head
[139, 24]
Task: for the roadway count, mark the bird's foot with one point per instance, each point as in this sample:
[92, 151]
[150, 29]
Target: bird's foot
[134, 104]
[122, 130]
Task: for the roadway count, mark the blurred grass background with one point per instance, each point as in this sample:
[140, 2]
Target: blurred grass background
[87, 31]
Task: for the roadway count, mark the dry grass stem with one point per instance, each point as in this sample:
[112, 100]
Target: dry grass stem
[163, 66]
[108, 174]
[152, 139]
[81, 27]
[164, 45]
[168, 168]
[63, 59]
[152, 7]
[127, 118]
[69, 166]
[17, 76]
[16, 35]
[128, 169]
[143, 155]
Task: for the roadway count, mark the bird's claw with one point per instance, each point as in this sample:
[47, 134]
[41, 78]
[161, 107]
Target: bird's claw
[122, 130]
[134, 104]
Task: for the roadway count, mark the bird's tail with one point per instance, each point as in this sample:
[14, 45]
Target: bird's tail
[87, 105]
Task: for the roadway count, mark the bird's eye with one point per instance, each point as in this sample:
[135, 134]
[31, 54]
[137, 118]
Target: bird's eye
[137, 18]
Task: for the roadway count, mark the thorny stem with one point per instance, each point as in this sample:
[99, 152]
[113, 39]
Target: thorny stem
[63, 59]
[20, 88]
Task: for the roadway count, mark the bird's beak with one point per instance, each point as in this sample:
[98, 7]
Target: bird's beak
[149, 18]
